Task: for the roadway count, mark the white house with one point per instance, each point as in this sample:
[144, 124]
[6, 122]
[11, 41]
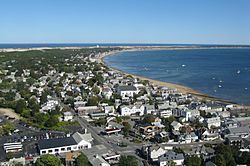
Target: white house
[156, 152]
[207, 136]
[150, 109]
[67, 116]
[126, 91]
[166, 113]
[215, 121]
[109, 109]
[61, 145]
[224, 114]
[49, 105]
[107, 92]
[176, 125]
[187, 114]
[132, 109]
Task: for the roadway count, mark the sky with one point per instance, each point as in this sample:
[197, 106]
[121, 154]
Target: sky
[125, 21]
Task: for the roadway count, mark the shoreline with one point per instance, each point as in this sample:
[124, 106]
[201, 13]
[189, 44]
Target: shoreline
[178, 87]
[138, 48]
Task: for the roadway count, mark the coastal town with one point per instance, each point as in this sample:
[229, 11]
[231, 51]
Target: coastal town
[67, 107]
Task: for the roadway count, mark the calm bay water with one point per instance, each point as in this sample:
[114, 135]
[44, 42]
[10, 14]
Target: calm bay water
[223, 73]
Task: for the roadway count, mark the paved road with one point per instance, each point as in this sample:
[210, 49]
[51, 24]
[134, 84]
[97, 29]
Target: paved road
[94, 134]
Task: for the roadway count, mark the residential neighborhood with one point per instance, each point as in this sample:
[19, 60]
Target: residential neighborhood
[69, 103]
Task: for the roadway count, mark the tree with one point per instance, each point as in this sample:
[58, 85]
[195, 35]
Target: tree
[48, 160]
[126, 128]
[20, 106]
[43, 98]
[18, 164]
[82, 160]
[183, 129]
[167, 123]
[52, 121]
[226, 152]
[193, 161]
[9, 155]
[171, 163]
[93, 101]
[100, 122]
[243, 158]
[33, 105]
[96, 90]
[118, 119]
[148, 118]
[26, 113]
[178, 150]
[128, 161]
[7, 128]
[70, 101]
[41, 118]
[203, 114]
[219, 160]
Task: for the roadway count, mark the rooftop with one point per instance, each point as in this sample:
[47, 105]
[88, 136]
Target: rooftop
[127, 88]
[57, 142]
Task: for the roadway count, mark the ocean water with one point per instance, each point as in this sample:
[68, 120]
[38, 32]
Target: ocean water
[223, 73]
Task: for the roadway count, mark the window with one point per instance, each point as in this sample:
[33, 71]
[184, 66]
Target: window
[43, 152]
[68, 148]
[50, 151]
[56, 150]
[62, 149]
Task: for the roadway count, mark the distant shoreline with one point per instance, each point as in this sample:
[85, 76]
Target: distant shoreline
[180, 88]
[155, 47]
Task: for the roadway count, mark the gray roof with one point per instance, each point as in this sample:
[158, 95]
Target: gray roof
[210, 163]
[127, 88]
[56, 142]
[244, 129]
[169, 156]
[150, 107]
[97, 160]
[79, 137]
[175, 123]
[234, 138]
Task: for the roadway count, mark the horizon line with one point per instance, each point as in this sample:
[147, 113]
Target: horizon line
[117, 43]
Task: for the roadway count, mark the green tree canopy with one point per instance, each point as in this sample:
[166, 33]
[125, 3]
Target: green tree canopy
[48, 160]
[93, 101]
[225, 152]
[128, 161]
[82, 160]
[20, 106]
[52, 121]
[219, 160]
[148, 118]
[126, 128]
[193, 161]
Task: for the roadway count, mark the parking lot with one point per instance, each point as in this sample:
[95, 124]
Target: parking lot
[29, 137]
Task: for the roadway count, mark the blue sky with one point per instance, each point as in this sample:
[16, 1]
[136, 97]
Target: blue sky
[125, 21]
